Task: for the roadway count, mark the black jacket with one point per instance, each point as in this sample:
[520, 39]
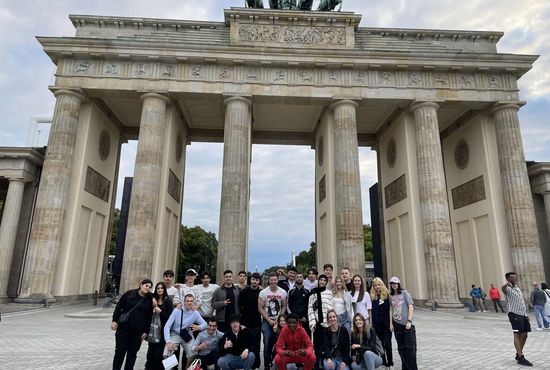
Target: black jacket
[241, 342]
[368, 343]
[298, 300]
[248, 302]
[342, 350]
[140, 318]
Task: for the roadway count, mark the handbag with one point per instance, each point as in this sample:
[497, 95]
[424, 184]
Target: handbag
[184, 332]
[154, 330]
[195, 365]
[123, 318]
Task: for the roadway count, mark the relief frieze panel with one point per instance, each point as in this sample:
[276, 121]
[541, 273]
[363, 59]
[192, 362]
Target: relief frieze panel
[289, 75]
[396, 191]
[264, 33]
[468, 193]
[97, 184]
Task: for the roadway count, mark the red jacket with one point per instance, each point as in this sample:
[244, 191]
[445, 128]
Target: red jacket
[494, 293]
[293, 341]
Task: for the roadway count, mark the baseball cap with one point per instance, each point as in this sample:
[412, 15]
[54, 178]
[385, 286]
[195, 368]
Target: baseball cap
[191, 272]
[395, 279]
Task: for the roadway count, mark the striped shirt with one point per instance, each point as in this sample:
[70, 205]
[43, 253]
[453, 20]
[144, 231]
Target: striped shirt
[514, 298]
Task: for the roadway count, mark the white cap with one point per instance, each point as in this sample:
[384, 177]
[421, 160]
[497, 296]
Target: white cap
[395, 279]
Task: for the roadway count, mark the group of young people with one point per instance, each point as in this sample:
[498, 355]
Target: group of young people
[327, 321]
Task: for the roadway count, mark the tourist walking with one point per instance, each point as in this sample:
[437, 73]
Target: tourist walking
[364, 353]
[402, 312]
[132, 320]
[342, 303]
[517, 314]
[494, 294]
[163, 307]
[381, 318]
[538, 300]
[336, 345]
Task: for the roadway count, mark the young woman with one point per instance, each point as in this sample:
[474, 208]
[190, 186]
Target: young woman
[361, 298]
[363, 345]
[163, 306]
[342, 303]
[320, 302]
[281, 323]
[336, 345]
[380, 297]
[130, 332]
[402, 324]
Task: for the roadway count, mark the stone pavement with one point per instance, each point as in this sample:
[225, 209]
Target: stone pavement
[47, 339]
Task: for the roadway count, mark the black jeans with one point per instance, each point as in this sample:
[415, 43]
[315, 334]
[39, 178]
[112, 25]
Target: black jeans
[384, 334]
[406, 345]
[126, 344]
[495, 302]
[256, 341]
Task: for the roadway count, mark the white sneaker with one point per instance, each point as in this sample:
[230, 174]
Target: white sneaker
[540, 329]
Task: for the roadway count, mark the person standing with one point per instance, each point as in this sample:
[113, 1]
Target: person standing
[320, 302]
[517, 314]
[205, 292]
[172, 291]
[328, 269]
[402, 312]
[298, 298]
[477, 296]
[494, 294]
[251, 318]
[290, 279]
[242, 280]
[538, 300]
[342, 303]
[294, 345]
[311, 281]
[345, 274]
[163, 307]
[130, 333]
[380, 297]
[271, 303]
[361, 298]
[189, 287]
[225, 301]
[235, 346]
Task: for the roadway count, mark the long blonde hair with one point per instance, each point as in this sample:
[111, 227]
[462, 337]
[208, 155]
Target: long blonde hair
[384, 293]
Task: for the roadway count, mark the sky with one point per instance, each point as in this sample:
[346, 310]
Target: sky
[282, 177]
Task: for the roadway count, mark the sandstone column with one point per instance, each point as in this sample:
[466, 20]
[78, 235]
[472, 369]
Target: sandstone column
[235, 201]
[518, 201]
[436, 223]
[52, 199]
[546, 197]
[349, 214]
[142, 216]
[8, 231]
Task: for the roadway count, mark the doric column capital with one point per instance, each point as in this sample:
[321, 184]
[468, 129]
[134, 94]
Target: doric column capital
[75, 93]
[502, 106]
[338, 102]
[232, 99]
[155, 95]
[18, 179]
[425, 104]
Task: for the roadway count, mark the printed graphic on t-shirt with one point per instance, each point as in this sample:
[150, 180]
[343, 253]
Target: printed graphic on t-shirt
[397, 302]
[273, 307]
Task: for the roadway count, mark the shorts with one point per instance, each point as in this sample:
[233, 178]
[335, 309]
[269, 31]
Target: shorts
[520, 323]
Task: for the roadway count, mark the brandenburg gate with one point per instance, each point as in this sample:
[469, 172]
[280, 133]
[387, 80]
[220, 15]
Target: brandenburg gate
[439, 107]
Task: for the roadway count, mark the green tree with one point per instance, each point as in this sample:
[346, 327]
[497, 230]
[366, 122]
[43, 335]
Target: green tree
[114, 231]
[367, 235]
[198, 250]
[306, 259]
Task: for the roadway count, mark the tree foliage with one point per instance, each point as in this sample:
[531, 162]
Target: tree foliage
[306, 259]
[367, 236]
[198, 250]
[114, 231]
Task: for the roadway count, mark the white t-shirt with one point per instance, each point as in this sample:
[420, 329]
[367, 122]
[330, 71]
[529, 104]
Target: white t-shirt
[273, 301]
[173, 293]
[363, 306]
[205, 297]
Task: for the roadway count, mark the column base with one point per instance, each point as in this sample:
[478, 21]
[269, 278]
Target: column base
[33, 299]
[4, 299]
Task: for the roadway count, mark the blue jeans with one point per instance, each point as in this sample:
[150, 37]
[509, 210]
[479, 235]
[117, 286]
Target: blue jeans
[267, 332]
[231, 362]
[336, 363]
[541, 316]
[370, 361]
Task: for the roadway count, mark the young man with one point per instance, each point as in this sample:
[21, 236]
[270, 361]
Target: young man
[294, 345]
[205, 292]
[328, 268]
[236, 349]
[538, 300]
[271, 303]
[171, 290]
[242, 278]
[290, 279]
[206, 345]
[311, 281]
[477, 297]
[189, 286]
[251, 318]
[298, 298]
[517, 314]
[225, 301]
[345, 274]
[184, 318]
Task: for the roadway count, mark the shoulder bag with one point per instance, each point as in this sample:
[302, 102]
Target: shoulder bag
[123, 318]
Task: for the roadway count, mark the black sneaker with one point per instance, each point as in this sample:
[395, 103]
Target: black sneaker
[523, 361]
[517, 357]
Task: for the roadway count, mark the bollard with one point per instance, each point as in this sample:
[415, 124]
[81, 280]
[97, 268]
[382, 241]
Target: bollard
[96, 293]
[434, 306]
